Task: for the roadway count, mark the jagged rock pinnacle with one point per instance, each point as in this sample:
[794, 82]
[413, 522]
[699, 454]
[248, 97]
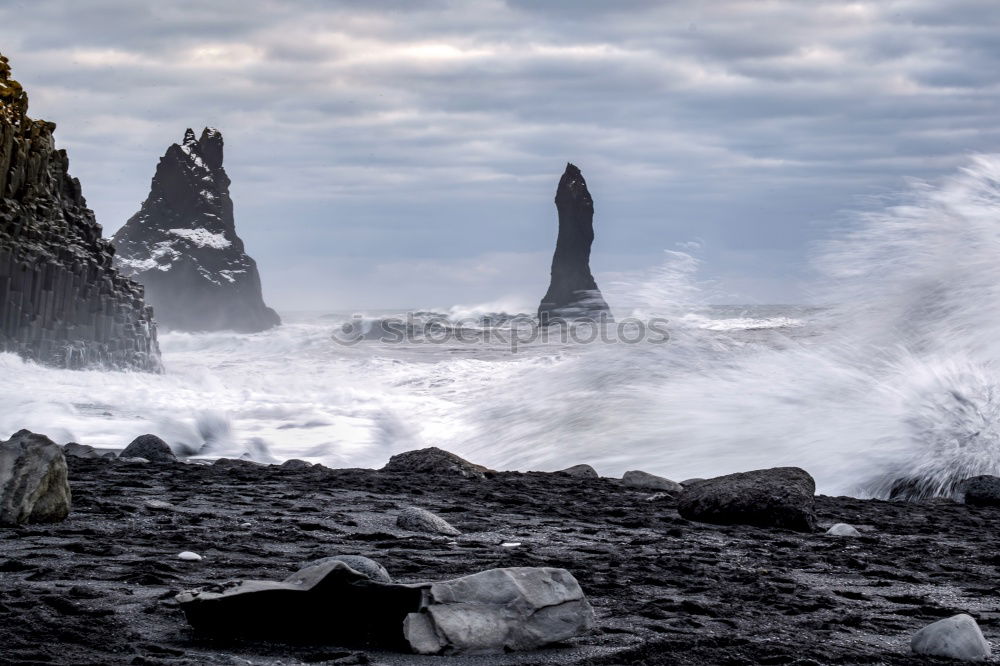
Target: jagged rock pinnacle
[573, 292]
[182, 245]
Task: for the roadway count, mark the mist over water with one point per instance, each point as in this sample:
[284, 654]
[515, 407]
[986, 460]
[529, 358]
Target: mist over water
[893, 379]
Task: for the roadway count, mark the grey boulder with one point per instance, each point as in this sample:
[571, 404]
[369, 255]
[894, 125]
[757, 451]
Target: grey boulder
[844, 530]
[779, 497]
[416, 519]
[150, 447]
[646, 481]
[581, 471]
[981, 491]
[434, 461]
[33, 482]
[956, 637]
[371, 569]
[295, 463]
[497, 611]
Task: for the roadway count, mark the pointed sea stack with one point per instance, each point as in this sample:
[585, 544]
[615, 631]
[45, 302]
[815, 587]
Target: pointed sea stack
[573, 293]
[61, 301]
[182, 245]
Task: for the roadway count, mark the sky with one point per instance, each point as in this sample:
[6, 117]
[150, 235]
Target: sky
[405, 153]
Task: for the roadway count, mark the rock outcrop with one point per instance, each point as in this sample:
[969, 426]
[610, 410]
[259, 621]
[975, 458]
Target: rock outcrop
[980, 491]
[779, 497]
[33, 480]
[182, 245]
[61, 300]
[433, 460]
[573, 292]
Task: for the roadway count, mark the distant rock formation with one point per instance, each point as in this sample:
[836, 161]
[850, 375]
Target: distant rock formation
[573, 293]
[182, 245]
[61, 301]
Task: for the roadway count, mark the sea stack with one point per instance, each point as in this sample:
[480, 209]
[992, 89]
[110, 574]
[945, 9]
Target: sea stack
[61, 300]
[182, 245]
[573, 293]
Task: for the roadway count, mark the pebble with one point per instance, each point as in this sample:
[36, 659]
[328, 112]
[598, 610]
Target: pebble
[510, 544]
[188, 556]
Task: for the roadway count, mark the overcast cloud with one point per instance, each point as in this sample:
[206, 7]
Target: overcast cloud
[404, 153]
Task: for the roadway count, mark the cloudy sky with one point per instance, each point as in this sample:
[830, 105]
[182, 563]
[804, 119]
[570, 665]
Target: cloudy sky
[405, 153]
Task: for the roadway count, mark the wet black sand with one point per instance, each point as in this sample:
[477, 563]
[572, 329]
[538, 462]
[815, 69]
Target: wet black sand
[98, 588]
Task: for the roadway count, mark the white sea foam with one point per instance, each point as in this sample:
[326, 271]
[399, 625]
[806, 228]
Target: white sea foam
[895, 381]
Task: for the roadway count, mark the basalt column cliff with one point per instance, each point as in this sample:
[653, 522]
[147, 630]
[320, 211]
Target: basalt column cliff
[573, 293]
[182, 245]
[61, 301]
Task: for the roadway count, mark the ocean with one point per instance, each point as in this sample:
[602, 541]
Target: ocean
[893, 378]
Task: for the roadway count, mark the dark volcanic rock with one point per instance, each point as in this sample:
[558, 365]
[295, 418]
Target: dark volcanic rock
[182, 245]
[647, 481]
[573, 292]
[581, 472]
[434, 461]
[779, 497]
[150, 447]
[33, 480]
[61, 301]
[981, 491]
[416, 519]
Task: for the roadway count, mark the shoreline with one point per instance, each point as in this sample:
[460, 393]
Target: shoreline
[99, 587]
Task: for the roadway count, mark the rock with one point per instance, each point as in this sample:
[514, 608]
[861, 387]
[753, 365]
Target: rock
[295, 463]
[980, 491]
[328, 603]
[434, 461]
[573, 292]
[159, 505]
[843, 529]
[62, 303]
[580, 471]
[188, 556]
[661, 497]
[779, 497]
[80, 450]
[236, 463]
[486, 613]
[956, 637]
[132, 461]
[33, 482]
[499, 610]
[182, 245]
[691, 482]
[646, 481]
[416, 519]
[150, 447]
[371, 569]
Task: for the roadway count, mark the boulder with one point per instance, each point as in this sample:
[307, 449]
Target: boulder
[581, 471]
[295, 463]
[33, 482]
[956, 637]
[691, 482]
[416, 519]
[150, 447]
[497, 611]
[434, 461]
[980, 491]
[371, 569]
[332, 603]
[328, 603]
[645, 481]
[80, 451]
[779, 497]
[843, 529]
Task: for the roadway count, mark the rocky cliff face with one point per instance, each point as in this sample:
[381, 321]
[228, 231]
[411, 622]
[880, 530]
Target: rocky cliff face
[573, 293]
[61, 300]
[182, 245]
